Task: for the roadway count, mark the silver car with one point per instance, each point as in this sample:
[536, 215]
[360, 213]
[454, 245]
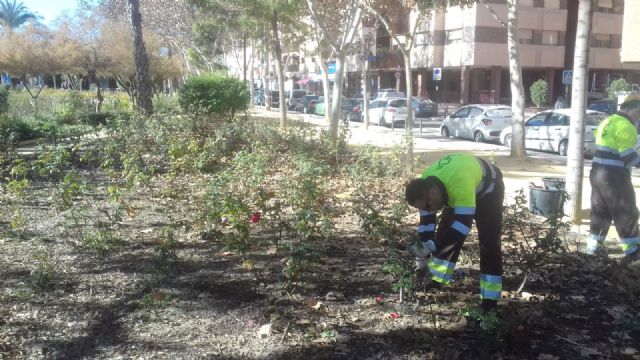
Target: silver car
[477, 122]
[549, 131]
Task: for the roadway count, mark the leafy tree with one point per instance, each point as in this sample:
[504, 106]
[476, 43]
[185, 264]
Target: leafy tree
[263, 17]
[143, 80]
[385, 11]
[80, 47]
[539, 91]
[338, 22]
[144, 90]
[27, 55]
[515, 70]
[617, 85]
[14, 14]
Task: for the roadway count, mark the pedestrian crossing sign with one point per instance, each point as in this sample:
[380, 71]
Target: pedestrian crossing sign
[567, 76]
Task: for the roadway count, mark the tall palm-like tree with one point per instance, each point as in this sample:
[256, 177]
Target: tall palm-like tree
[14, 14]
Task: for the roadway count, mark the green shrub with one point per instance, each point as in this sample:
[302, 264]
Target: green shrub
[13, 130]
[539, 91]
[95, 119]
[4, 100]
[214, 94]
[617, 85]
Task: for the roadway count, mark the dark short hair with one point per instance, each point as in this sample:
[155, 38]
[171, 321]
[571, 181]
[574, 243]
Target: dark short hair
[630, 105]
[418, 188]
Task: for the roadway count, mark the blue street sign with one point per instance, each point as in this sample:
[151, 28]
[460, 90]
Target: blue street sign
[437, 74]
[567, 76]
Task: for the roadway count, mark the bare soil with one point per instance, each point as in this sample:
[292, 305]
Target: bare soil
[122, 304]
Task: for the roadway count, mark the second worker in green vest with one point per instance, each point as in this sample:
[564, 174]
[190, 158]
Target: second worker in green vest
[613, 197]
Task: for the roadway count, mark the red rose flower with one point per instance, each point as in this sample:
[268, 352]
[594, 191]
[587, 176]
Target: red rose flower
[255, 218]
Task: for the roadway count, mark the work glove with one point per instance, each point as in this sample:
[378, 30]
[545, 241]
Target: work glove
[422, 250]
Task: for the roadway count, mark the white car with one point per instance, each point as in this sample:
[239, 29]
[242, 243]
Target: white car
[387, 111]
[477, 122]
[549, 131]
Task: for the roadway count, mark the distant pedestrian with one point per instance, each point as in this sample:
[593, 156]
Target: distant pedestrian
[613, 197]
[560, 103]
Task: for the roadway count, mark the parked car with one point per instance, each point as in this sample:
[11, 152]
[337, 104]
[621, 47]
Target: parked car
[424, 108]
[318, 109]
[295, 98]
[477, 122]
[304, 103]
[390, 93]
[549, 131]
[275, 98]
[352, 109]
[606, 106]
[320, 106]
[387, 111]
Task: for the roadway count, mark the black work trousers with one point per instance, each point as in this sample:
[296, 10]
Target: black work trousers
[613, 199]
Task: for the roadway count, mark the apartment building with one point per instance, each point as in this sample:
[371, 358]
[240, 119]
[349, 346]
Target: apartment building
[469, 47]
[630, 52]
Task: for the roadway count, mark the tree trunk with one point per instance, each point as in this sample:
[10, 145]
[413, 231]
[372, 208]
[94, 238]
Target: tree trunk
[94, 79]
[251, 75]
[336, 102]
[266, 76]
[365, 91]
[325, 88]
[575, 156]
[517, 89]
[278, 52]
[143, 80]
[409, 122]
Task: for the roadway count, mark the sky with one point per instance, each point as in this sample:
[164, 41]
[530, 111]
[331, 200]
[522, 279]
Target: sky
[50, 9]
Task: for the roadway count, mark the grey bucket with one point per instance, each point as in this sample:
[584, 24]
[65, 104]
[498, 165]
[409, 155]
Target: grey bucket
[554, 183]
[546, 202]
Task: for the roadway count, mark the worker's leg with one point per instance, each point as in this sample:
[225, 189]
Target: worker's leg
[601, 217]
[488, 219]
[625, 213]
[443, 260]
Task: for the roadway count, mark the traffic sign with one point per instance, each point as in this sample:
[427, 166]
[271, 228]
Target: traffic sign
[567, 76]
[437, 74]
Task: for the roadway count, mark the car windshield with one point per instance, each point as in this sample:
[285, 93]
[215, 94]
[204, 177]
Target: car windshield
[397, 103]
[594, 119]
[298, 93]
[502, 112]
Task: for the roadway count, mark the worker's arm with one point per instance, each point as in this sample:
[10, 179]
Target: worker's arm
[627, 139]
[426, 235]
[460, 226]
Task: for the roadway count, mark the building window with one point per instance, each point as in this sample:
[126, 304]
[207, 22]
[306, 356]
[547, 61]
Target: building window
[528, 3]
[602, 41]
[604, 6]
[552, 4]
[550, 38]
[454, 36]
[525, 36]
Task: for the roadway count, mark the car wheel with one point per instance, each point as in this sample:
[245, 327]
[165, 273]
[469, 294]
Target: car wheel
[507, 140]
[478, 137]
[563, 147]
[445, 131]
